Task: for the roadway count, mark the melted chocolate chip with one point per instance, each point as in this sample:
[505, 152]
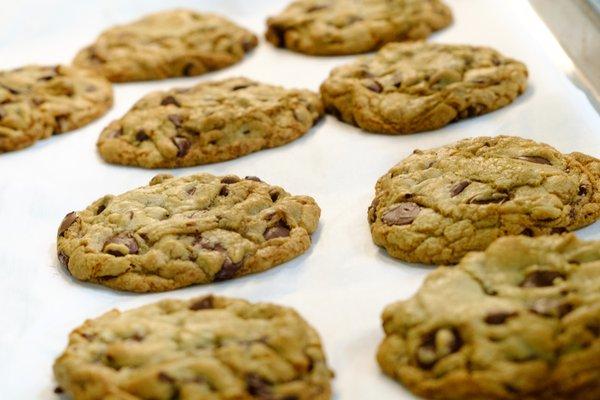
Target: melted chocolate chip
[316, 8]
[458, 188]
[183, 145]
[228, 269]
[170, 100]
[527, 232]
[240, 87]
[274, 194]
[230, 179]
[428, 343]
[582, 190]
[541, 278]
[224, 191]
[141, 136]
[187, 69]
[125, 239]
[164, 377]
[498, 318]
[253, 178]
[278, 33]
[202, 303]
[535, 159]
[558, 230]
[374, 86]
[258, 387]
[101, 208]
[279, 230]
[58, 390]
[67, 222]
[401, 214]
[177, 120]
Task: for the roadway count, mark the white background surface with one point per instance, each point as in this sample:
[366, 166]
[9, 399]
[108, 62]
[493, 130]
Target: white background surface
[343, 282]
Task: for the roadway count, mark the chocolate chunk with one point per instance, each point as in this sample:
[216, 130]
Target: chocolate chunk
[316, 8]
[63, 259]
[202, 303]
[401, 214]
[187, 69]
[498, 318]
[228, 269]
[374, 86]
[240, 87]
[279, 230]
[177, 120]
[541, 278]
[137, 337]
[58, 390]
[253, 178]
[224, 191]
[141, 136]
[125, 239]
[101, 208]
[67, 222]
[170, 100]
[487, 198]
[278, 32]
[183, 145]
[558, 230]
[191, 191]
[230, 179]
[535, 159]
[258, 387]
[46, 77]
[116, 133]
[373, 210]
[458, 188]
[582, 190]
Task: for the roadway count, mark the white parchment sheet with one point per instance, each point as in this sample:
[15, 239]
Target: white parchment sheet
[343, 282]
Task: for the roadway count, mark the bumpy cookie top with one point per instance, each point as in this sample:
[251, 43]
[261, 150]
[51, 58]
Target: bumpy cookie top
[180, 231]
[438, 204]
[518, 321]
[209, 122]
[334, 27]
[38, 101]
[166, 44]
[411, 87]
[204, 348]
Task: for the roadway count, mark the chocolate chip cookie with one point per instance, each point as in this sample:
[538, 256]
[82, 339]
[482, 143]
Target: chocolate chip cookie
[518, 321]
[182, 231]
[207, 123]
[336, 27]
[438, 204]
[204, 348]
[39, 101]
[413, 87]
[167, 44]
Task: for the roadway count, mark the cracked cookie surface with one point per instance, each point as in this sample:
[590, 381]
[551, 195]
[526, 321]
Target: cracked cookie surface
[336, 27]
[209, 347]
[182, 231]
[167, 44]
[209, 122]
[39, 101]
[438, 204]
[519, 321]
[412, 87]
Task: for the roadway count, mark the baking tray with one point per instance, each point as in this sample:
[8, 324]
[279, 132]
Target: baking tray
[343, 282]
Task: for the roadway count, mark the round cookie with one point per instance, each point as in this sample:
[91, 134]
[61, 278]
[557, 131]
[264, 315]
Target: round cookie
[167, 44]
[39, 101]
[207, 123]
[336, 27]
[182, 231]
[204, 348]
[436, 205]
[412, 87]
[519, 321]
